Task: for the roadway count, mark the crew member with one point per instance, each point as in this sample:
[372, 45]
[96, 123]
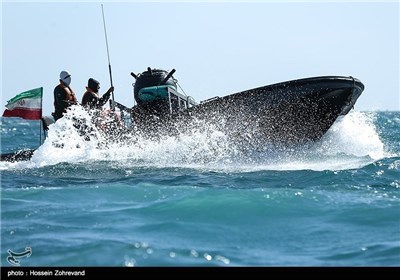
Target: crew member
[91, 97]
[64, 96]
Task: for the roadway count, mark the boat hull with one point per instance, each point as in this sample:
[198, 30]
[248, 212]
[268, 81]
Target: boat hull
[21, 155]
[296, 111]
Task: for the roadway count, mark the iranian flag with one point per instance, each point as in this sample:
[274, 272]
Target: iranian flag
[26, 105]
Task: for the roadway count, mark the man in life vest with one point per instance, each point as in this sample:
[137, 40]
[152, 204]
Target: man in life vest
[64, 96]
[106, 120]
[91, 97]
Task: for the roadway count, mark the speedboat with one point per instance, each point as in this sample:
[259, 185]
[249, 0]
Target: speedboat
[291, 112]
[283, 114]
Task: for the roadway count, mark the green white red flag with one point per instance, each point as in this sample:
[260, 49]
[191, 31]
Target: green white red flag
[26, 105]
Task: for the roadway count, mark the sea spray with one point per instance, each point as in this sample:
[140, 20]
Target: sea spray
[352, 142]
[353, 134]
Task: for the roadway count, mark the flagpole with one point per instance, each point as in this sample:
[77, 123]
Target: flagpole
[41, 117]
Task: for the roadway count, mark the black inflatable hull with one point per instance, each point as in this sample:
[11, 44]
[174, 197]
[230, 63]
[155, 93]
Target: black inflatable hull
[290, 112]
[22, 155]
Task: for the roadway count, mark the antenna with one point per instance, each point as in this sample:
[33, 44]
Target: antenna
[108, 56]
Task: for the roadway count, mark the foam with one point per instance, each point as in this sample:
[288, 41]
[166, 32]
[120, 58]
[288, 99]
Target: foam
[352, 142]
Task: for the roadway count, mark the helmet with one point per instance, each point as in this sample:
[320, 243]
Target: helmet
[93, 85]
[65, 77]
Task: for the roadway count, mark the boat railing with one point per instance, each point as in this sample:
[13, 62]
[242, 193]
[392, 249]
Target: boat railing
[210, 99]
[124, 112]
[178, 102]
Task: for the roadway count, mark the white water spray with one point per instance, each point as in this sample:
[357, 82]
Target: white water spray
[352, 142]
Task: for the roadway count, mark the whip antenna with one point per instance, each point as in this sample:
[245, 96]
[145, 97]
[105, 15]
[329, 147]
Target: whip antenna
[108, 56]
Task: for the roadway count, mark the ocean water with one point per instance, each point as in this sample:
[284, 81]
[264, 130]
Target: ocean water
[194, 200]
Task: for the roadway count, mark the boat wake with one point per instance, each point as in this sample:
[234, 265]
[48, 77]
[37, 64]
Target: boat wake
[352, 142]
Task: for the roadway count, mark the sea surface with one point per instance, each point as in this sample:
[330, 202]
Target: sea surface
[193, 200]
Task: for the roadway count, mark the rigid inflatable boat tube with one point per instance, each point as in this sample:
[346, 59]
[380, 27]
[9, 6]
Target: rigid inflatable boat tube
[22, 155]
[153, 93]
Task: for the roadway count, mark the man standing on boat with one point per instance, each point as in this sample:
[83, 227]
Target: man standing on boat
[64, 96]
[91, 98]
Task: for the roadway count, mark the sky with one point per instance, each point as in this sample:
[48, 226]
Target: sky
[217, 48]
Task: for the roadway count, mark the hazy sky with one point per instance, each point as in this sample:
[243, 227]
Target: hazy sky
[216, 48]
